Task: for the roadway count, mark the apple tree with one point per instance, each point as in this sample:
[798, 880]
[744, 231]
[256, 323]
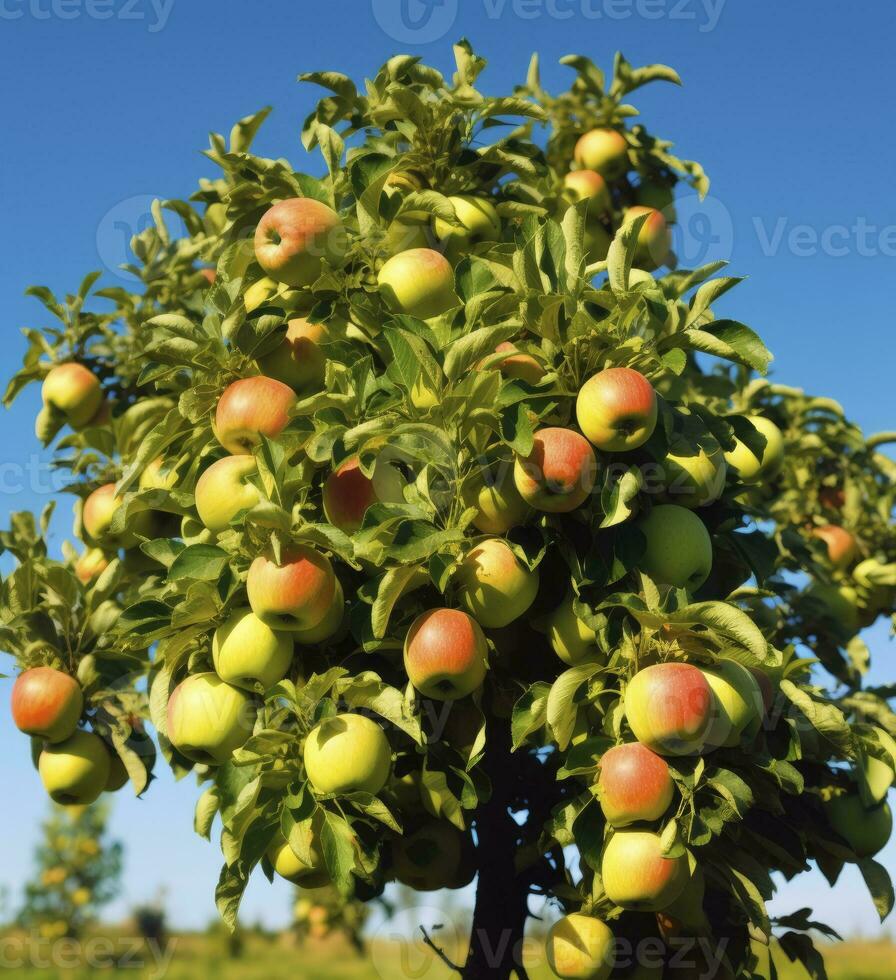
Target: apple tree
[456, 536]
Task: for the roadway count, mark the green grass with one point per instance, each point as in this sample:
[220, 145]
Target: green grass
[280, 958]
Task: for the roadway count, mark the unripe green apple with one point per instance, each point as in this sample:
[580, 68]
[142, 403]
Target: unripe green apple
[74, 392]
[654, 240]
[300, 361]
[695, 476]
[294, 595]
[559, 473]
[841, 544]
[494, 586]
[588, 185]
[329, 626]
[427, 859]
[636, 874]
[839, 602]
[249, 409]
[47, 703]
[669, 708]
[419, 282]
[405, 233]
[679, 548]
[603, 150]
[751, 468]
[445, 654]
[617, 409]
[498, 503]
[290, 866]
[572, 640]
[653, 194]
[90, 565]
[98, 513]
[348, 753]
[247, 652]
[480, 223]
[224, 490]
[580, 947]
[158, 475]
[866, 830]
[75, 772]
[738, 706]
[348, 492]
[634, 785]
[208, 720]
[295, 236]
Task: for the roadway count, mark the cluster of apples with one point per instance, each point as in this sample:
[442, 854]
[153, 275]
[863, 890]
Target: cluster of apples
[76, 766]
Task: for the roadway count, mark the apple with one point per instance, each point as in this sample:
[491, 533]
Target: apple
[679, 548]
[669, 707]
[295, 236]
[418, 282]
[348, 492]
[445, 654]
[348, 753]
[654, 240]
[738, 708]
[99, 510]
[247, 652]
[479, 222]
[694, 475]
[329, 626]
[72, 392]
[753, 469]
[260, 292]
[866, 830]
[428, 858]
[208, 719]
[603, 150]
[493, 585]
[522, 367]
[209, 275]
[580, 947]
[833, 498]
[498, 503]
[588, 185]
[634, 785]
[572, 640]
[686, 916]
[841, 544]
[300, 360]
[158, 475]
[657, 195]
[559, 473]
[875, 777]
[838, 602]
[225, 489]
[637, 876]
[294, 595]
[75, 772]
[290, 866]
[597, 240]
[90, 565]
[47, 703]
[249, 409]
[617, 409]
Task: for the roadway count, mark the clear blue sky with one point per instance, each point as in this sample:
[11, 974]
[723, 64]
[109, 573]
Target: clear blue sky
[782, 104]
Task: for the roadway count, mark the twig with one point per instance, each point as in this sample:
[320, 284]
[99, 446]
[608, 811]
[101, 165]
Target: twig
[440, 952]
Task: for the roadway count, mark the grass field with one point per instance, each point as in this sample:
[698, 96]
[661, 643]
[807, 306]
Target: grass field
[192, 957]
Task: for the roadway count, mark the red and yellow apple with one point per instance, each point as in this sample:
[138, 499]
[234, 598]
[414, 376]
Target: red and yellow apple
[679, 548]
[249, 409]
[347, 753]
[445, 654]
[617, 409]
[493, 585]
[47, 703]
[98, 513]
[225, 489]
[72, 392]
[348, 492]
[637, 875]
[294, 238]
[654, 240]
[559, 473]
[581, 947]
[90, 565]
[418, 282]
[247, 652]
[603, 150]
[295, 594]
[75, 772]
[588, 185]
[208, 719]
[669, 707]
[522, 367]
[842, 545]
[634, 786]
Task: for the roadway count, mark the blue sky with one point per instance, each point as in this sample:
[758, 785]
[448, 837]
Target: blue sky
[107, 105]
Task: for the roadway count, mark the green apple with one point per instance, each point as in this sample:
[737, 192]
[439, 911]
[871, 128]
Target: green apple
[751, 468]
[300, 360]
[738, 708]
[603, 150]
[419, 282]
[479, 222]
[47, 704]
[225, 489]
[493, 585]
[290, 866]
[866, 830]
[76, 771]
[348, 753]
[679, 548]
[247, 652]
[837, 602]
[427, 859]
[498, 503]
[208, 719]
[572, 640]
[581, 947]
[694, 475]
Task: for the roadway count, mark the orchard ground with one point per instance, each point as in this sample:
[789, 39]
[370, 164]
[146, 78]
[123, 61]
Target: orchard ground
[193, 955]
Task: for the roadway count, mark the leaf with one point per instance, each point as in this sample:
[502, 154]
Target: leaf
[203, 562]
[877, 878]
[561, 709]
[732, 341]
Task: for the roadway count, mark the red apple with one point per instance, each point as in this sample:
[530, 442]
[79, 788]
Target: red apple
[588, 185]
[294, 595]
[445, 654]
[348, 492]
[842, 545]
[669, 708]
[47, 703]
[517, 365]
[251, 408]
[560, 472]
[634, 785]
[617, 409]
[295, 236]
